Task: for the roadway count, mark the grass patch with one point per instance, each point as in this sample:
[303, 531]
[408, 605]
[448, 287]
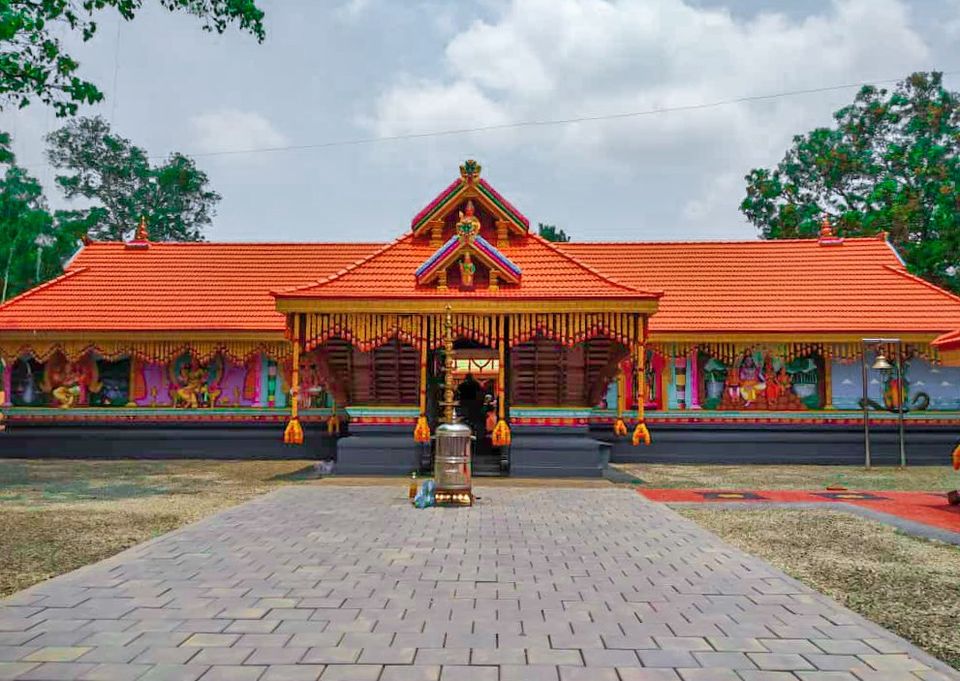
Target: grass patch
[56, 516]
[908, 585]
[681, 476]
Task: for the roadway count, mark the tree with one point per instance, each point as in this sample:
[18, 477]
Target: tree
[888, 164]
[33, 63]
[551, 233]
[33, 244]
[108, 169]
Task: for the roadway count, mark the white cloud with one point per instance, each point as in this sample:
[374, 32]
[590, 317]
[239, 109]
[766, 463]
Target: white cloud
[548, 59]
[351, 9]
[233, 130]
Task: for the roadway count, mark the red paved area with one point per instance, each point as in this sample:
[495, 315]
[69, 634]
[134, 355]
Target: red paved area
[922, 507]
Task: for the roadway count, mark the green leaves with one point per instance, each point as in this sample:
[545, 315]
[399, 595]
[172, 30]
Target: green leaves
[117, 175]
[889, 163]
[551, 233]
[33, 64]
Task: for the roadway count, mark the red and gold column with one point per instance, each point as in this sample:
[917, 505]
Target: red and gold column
[641, 433]
[501, 436]
[620, 426]
[421, 433]
[293, 434]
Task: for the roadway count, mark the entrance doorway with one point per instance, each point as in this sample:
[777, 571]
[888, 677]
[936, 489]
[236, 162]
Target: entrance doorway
[475, 375]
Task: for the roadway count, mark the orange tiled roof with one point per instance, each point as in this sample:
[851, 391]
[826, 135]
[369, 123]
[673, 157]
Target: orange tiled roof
[174, 286]
[789, 286]
[799, 287]
[547, 273]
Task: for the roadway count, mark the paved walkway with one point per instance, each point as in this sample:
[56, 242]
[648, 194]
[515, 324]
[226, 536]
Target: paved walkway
[352, 583]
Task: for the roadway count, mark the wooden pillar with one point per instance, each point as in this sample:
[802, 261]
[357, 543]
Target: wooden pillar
[436, 233]
[421, 432]
[7, 388]
[293, 434]
[827, 355]
[501, 436]
[641, 433]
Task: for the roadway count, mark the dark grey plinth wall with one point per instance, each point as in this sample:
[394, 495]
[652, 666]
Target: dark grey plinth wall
[557, 452]
[163, 441]
[378, 450]
[783, 444]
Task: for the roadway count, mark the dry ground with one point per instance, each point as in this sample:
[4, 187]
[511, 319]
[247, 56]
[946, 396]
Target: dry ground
[56, 516]
[910, 586]
[918, 478]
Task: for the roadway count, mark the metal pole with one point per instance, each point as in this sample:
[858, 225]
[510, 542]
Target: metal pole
[866, 416]
[902, 405]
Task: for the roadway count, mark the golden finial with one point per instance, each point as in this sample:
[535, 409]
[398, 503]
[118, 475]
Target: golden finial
[142, 234]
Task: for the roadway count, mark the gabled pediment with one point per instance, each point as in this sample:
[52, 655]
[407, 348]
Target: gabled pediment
[470, 186]
[465, 250]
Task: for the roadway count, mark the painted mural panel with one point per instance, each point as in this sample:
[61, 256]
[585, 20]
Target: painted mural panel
[928, 386]
[758, 381]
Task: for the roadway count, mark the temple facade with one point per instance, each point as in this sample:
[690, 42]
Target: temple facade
[568, 354]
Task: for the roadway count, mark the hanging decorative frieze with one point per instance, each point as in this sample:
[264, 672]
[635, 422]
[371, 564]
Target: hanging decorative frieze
[570, 328]
[155, 351]
[845, 352]
[367, 331]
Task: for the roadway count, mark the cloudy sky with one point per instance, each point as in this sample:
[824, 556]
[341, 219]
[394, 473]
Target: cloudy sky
[334, 71]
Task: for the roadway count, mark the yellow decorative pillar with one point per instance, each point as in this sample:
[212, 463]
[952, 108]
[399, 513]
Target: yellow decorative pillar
[620, 427]
[641, 433]
[421, 433]
[501, 436]
[827, 378]
[293, 434]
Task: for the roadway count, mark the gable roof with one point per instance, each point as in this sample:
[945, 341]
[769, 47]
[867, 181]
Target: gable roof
[458, 189]
[711, 288]
[787, 286]
[388, 274]
[174, 287]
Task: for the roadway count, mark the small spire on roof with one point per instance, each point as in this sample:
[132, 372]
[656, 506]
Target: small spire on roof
[86, 240]
[142, 234]
[827, 237]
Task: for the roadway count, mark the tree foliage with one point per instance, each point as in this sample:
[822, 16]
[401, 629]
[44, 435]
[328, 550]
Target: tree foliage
[889, 163]
[118, 177]
[34, 65]
[33, 243]
[551, 233]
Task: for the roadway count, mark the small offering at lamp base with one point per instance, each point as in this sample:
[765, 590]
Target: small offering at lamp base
[412, 491]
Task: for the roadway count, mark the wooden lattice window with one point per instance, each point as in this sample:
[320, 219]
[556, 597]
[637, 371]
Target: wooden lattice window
[537, 371]
[395, 374]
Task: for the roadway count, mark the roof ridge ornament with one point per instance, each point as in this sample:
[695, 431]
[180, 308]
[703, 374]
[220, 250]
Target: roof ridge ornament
[470, 170]
[141, 237]
[827, 236]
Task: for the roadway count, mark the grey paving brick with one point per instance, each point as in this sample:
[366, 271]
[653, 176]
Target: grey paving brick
[112, 671]
[634, 674]
[166, 655]
[443, 656]
[413, 672]
[459, 673]
[532, 672]
[708, 674]
[222, 656]
[276, 656]
[13, 670]
[56, 671]
[353, 672]
[233, 673]
[780, 661]
[293, 672]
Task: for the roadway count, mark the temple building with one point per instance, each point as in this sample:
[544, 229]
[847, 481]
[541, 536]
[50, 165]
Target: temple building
[566, 354]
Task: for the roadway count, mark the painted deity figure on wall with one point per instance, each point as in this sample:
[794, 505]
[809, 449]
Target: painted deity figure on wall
[196, 385]
[751, 380]
[67, 382]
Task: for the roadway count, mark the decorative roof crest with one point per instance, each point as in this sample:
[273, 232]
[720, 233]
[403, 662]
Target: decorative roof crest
[470, 170]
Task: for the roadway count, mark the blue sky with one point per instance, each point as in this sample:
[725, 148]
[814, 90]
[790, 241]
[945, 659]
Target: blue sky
[348, 69]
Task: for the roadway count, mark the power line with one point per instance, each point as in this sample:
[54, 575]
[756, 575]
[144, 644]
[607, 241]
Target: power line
[549, 122]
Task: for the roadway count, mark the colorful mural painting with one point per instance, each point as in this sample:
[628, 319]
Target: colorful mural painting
[928, 386]
[760, 380]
